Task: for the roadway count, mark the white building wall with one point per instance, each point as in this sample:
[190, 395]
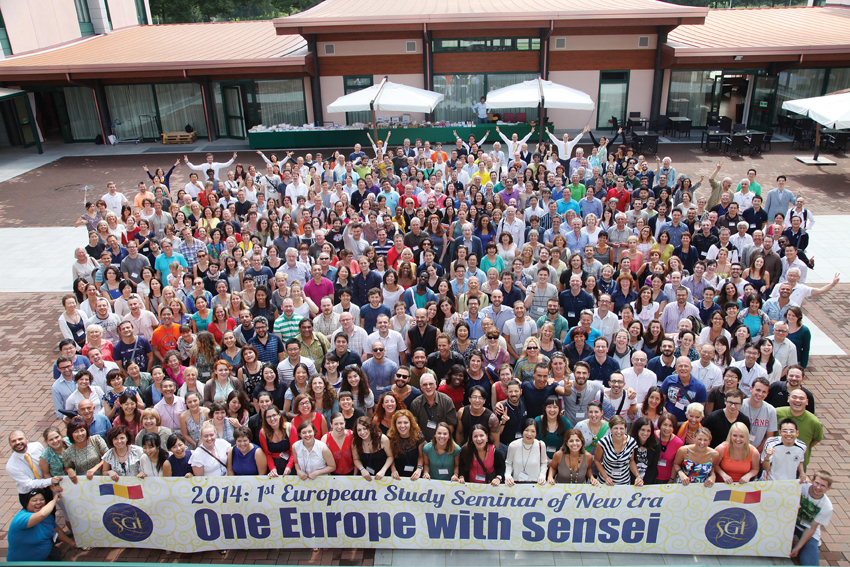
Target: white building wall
[37, 24]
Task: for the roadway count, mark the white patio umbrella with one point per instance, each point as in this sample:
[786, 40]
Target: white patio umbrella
[540, 93]
[387, 97]
[831, 110]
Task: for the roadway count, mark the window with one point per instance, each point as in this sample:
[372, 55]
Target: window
[353, 84]
[798, 83]
[462, 91]
[613, 98]
[691, 94]
[485, 44]
[141, 13]
[4, 38]
[838, 79]
[84, 18]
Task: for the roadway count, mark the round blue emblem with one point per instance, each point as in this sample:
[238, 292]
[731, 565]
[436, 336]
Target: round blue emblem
[731, 528]
[127, 522]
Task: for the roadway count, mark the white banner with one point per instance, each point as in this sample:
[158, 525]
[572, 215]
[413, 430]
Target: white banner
[207, 513]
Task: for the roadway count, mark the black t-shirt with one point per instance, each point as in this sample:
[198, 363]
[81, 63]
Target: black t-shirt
[719, 426]
[534, 398]
[351, 421]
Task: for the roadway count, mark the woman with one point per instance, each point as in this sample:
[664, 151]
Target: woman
[219, 389]
[177, 463]
[441, 456]
[129, 415]
[799, 334]
[50, 461]
[85, 391]
[224, 426]
[754, 318]
[552, 426]
[233, 274]
[270, 383]
[237, 407]
[594, 428]
[251, 371]
[202, 317]
[645, 241]
[111, 288]
[739, 342]
[305, 410]
[668, 445]
[624, 294]
[645, 458]
[613, 455]
[310, 457]
[455, 385]
[84, 455]
[154, 457]
[722, 353]
[531, 357]
[190, 384]
[645, 308]
[300, 377]
[111, 400]
[405, 438]
[633, 254]
[123, 458]
[738, 460]
[757, 275]
[210, 458]
[154, 298]
[685, 347]
[481, 463]
[768, 361]
[549, 345]
[713, 330]
[220, 324]
[94, 339]
[572, 464]
[462, 344]
[696, 462]
[370, 450]
[577, 347]
[663, 245]
[447, 318]
[323, 396]
[527, 461]
[653, 405]
[275, 440]
[33, 530]
[492, 259]
[355, 381]
[391, 291]
[152, 423]
[245, 458]
[230, 350]
[72, 322]
[506, 248]
[193, 419]
[339, 440]
[388, 404]
[304, 306]
[724, 266]
[695, 412]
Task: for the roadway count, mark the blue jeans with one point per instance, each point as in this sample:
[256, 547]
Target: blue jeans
[809, 555]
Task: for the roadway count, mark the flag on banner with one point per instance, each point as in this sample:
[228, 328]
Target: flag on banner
[129, 492]
[739, 496]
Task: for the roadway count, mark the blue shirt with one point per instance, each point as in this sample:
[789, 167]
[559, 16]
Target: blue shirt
[269, 351]
[370, 316]
[30, 544]
[572, 305]
[381, 376]
[100, 425]
[564, 205]
[602, 372]
[679, 395]
[593, 205]
[575, 243]
[475, 331]
[80, 363]
[162, 263]
[361, 284]
[661, 370]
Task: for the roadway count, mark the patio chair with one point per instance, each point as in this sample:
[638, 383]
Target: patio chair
[734, 143]
[753, 143]
[768, 139]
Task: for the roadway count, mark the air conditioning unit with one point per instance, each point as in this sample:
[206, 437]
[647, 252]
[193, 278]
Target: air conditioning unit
[643, 41]
[560, 43]
[330, 49]
[411, 47]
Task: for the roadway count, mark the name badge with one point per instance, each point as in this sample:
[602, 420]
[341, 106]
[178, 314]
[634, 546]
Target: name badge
[581, 415]
[681, 404]
[432, 425]
[752, 225]
[662, 462]
[134, 275]
[523, 477]
[442, 471]
[550, 452]
[370, 470]
[408, 468]
[480, 478]
[517, 435]
[752, 438]
[571, 313]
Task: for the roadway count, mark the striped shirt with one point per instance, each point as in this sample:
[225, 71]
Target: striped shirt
[287, 328]
[617, 464]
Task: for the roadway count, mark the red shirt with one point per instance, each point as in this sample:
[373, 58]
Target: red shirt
[623, 199]
[455, 394]
[218, 333]
[342, 455]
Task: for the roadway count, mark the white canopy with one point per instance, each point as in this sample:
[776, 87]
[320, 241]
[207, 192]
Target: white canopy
[393, 97]
[832, 110]
[528, 94]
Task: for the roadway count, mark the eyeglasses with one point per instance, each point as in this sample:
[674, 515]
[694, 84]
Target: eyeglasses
[402, 376]
[616, 381]
[531, 347]
[377, 350]
[492, 338]
[728, 403]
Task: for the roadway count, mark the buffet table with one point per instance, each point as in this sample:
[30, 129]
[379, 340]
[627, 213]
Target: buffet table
[347, 138]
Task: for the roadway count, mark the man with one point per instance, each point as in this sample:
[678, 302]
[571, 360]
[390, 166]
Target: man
[287, 366]
[132, 264]
[552, 315]
[720, 421]
[749, 367]
[535, 392]
[705, 239]
[517, 330]
[396, 348]
[784, 351]
[114, 200]
[245, 330]
[675, 228]
[778, 200]
[512, 224]
[618, 236]
[23, 468]
[327, 322]
[772, 261]
[496, 310]
[512, 415]
[99, 368]
[621, 398]
[64, 386]
[810, 427]
[416, 297]
[792, 261]
[165, 259]
[472, 242]
[576, 239]
[442, 360]
[800, 291]
[681, 389]
[675, 312]
[314, 345]
[815, 511]
[401, 387]
[778, 395]
[638, 377]
[370, 311]
[605, 322]
[381, 372]
[170, 407]
[357, 337]
[106, 320]
[708, 373]
[419, 359]
[286, 326]
[664, 364]
[269, 346]
[319, 286]
[761, 414]
[473, 318]
[540, 293]
[776, 307]
[433, 407]
[543, 262]
[601, 365]
[133, 348]
[582, 392]
[782, 457]
[346, 357]
[510, 291]
[116, 252]
[696, 284]
[97, 423]
[294, 270]
[574, 300]
[210, 164]
[189, 247]
[422, 334]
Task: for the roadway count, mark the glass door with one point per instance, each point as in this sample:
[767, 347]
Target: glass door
[761, 105]
[352, 85]
[717, 93]
[25, 126]
[613, 98]
[234, 118]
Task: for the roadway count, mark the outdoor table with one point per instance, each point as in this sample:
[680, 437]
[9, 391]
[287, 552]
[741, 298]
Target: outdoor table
[709, 136]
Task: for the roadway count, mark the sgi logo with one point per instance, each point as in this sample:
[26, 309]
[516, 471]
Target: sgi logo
[127, 522]
[731, 528]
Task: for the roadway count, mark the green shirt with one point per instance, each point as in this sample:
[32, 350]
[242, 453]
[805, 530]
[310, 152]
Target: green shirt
[287, 328]
[440, 466]
[551, 439]
[754, 187]
[561, 325]
[577, 191]
[809, 426]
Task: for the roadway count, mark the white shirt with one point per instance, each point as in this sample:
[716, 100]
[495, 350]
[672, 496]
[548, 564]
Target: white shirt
[310, 460]
[212, 467]
[215, 166]
[19, 470]
[804, 270]
[784, 352]
[785, 460]
[799, 294]
[749, 375]
[285, 369]
[193, 190]
[516, 229]
[710, 375]
[99, 376]
[114, 202]
[393, 343]
[607, 325]
[640, 383]
[95, 398]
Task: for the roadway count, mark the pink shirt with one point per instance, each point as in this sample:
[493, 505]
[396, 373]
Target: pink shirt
[317, 292]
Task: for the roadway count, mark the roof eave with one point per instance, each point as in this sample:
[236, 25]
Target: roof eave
[696, 51]
[294, 62]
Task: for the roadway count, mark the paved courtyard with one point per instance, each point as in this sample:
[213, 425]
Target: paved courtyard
[38, 207]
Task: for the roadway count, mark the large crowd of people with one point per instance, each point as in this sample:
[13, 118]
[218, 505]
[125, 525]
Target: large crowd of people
[451, 313]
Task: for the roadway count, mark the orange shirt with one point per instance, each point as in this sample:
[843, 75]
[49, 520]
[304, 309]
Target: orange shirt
[165, 339]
